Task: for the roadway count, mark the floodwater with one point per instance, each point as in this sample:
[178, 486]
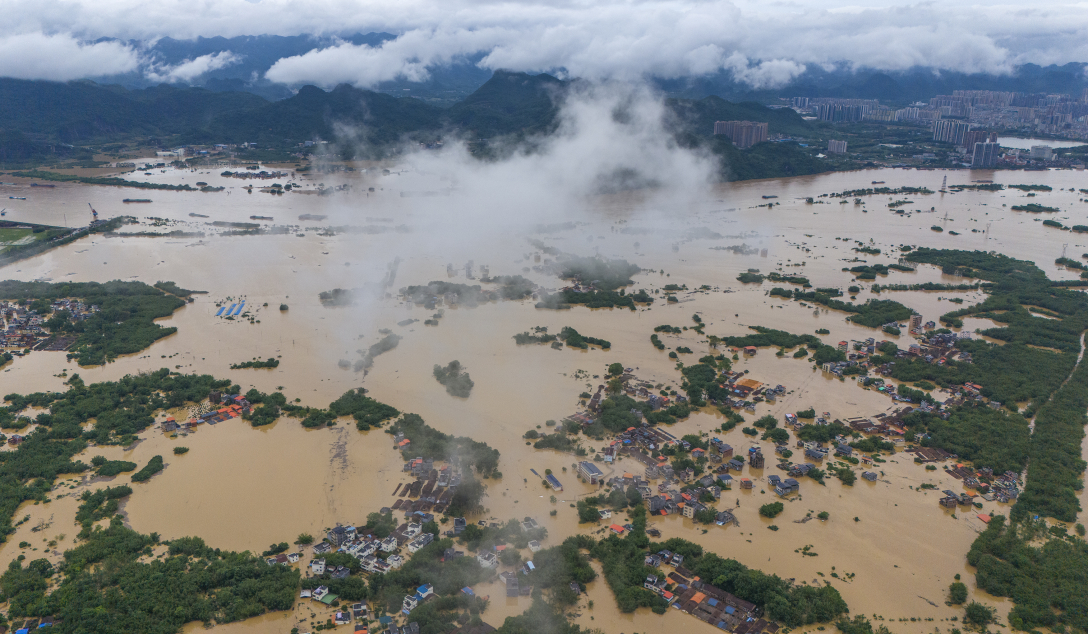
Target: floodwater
[244, 488]
[1023, 143]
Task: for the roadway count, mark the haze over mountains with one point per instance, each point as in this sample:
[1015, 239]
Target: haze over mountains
[241, 64]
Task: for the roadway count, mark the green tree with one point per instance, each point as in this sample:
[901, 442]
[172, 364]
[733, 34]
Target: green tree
[957, 593]
[978, 614]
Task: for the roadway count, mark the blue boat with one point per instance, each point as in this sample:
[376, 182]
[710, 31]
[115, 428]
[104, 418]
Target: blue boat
[220, 311]
[240, 307]
[230, 310]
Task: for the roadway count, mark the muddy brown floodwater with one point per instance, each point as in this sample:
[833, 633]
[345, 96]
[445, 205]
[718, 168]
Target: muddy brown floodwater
[243, 488]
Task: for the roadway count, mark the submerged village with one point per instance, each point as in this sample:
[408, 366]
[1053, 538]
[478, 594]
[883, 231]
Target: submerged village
[692, 477]
[661, 462]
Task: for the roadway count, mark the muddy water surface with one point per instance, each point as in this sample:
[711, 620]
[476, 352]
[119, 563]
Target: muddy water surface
[244, 488]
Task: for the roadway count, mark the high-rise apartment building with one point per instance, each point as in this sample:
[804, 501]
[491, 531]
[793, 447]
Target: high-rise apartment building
[950, 131]
[985, 155]
[744, 134]
[836, 147]
[978, 136]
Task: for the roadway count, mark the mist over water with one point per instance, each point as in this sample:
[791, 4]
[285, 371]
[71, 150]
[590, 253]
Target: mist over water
[611, 138]
[609, 179]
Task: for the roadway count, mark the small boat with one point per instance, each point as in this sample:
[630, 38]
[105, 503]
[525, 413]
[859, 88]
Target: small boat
[878, 182]
[4, 211]
[197, 216]
[769, 197]
[41, 185]
[136, 200]
[260, 217]
[17, 197]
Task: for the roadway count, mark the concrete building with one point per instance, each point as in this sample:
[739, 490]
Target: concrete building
[978, 136]
[836, 147]
[950, 131]
[589, 472]
[985, 155]
[744, 134]
[1043, 152]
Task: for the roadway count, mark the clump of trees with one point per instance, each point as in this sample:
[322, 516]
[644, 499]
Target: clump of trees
[596, 299]
[573, 339]
[271, 362]
[539, 334]
[998, 439]
[428, 442]
[111, 468]
[153, 466]
[191, 583]
[766, 337]
[604, 274]
[873, 313]
[366, 411]
[99, 505]
[455, 378]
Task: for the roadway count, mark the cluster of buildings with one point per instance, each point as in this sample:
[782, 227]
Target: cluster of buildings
[21, 327]
[1058, 114]
[743, 134]
[834, 109]
[679, 492]
[219, 408]
[1000, 488]
[939, 349]
[702, 600]
[969, 120]
[432, 489]
[857, 356]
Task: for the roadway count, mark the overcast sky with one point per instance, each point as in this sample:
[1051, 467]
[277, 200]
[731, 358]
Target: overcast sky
[762, 43]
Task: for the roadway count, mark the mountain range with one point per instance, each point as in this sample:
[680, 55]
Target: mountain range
[253, 55]
[42, 121]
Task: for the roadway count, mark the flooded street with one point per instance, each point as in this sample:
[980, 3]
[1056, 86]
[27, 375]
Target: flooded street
[242, 488]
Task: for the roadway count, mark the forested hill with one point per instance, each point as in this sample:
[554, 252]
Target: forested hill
[39, 120]
[82, 111]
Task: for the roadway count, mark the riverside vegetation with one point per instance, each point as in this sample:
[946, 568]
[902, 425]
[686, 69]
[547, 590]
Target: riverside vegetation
[1037, 364]
[109, 573]
[124, 323]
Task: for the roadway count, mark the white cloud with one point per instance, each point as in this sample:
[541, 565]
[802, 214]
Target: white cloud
[62, 57]
[766, 74]
[406, 57]
[190, 69]
[762, 43]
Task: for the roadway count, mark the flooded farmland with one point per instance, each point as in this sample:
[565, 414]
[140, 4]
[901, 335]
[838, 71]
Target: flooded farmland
[892, 548]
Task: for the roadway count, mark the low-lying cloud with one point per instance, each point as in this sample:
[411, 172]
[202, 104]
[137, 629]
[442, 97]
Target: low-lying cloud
[192, 68]
[62, 57]
[761, 44]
